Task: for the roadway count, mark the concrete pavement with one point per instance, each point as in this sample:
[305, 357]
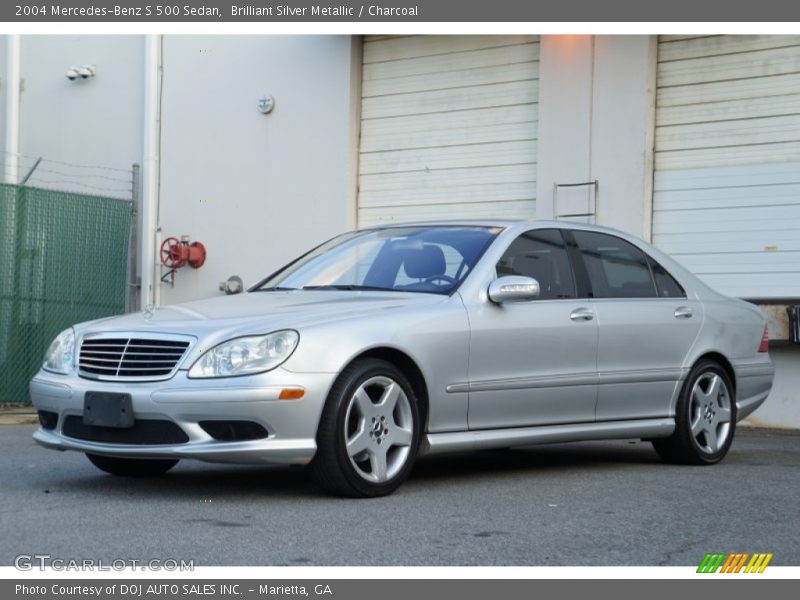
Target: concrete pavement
[611, 503]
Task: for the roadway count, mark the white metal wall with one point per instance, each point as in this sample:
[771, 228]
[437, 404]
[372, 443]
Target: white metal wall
[95, 122]
[726, 197]
[3, 87]
[448, 127]
[258, 190]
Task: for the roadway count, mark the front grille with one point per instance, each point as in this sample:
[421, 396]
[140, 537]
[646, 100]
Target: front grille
[146, 432]
[129, 357]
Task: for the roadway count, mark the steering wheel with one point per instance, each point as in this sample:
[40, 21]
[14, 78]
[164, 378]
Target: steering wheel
[442, 277]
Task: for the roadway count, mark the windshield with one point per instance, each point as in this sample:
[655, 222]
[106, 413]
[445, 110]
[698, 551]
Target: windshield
[404, 259]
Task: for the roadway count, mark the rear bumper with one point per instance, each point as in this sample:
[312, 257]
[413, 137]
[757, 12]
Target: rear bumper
[291, 424]
[753, 384]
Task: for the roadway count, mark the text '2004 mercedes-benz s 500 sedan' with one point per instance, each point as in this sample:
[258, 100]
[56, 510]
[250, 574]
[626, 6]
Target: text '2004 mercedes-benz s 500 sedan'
[385, 344]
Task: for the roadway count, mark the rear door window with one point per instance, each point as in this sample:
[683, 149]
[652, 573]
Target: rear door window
[616, 268]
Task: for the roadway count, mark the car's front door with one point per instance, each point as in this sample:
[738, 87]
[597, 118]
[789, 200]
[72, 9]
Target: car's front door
[534, 363]
[647, 326]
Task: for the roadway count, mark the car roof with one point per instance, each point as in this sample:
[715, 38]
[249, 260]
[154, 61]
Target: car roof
[514, 224]
[447, 223]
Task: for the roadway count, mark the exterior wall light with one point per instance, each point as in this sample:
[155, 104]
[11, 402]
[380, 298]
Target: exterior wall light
[79, 73]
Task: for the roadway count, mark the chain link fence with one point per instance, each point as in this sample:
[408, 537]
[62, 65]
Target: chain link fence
[63, 260]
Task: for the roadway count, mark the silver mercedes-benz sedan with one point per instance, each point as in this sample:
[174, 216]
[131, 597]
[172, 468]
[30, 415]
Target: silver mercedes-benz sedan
[389, 343]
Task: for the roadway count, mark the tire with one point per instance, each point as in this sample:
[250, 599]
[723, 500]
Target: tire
[131, 467]
[705, 418]
[369, 432]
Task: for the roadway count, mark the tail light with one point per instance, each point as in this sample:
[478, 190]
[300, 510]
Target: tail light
[764, 345]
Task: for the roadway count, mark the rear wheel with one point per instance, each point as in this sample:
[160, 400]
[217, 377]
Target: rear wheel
[131, 467]
[705, 418]
[369, 431]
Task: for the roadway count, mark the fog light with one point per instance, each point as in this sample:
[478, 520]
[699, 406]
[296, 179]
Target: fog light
[47, 419]
[234, 431]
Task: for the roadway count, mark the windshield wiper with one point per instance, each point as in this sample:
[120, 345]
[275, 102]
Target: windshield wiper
[276, 289]
[349, 288]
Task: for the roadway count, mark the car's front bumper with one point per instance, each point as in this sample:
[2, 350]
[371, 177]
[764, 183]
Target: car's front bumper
[291, 424]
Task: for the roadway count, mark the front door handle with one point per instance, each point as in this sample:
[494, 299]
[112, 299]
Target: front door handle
[683, 312]
[581, 314]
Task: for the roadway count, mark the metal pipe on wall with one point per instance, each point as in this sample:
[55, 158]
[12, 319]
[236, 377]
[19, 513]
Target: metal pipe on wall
[150, 170]
[13, 75]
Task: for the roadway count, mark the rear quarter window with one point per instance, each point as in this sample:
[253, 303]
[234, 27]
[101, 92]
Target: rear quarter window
[666, 285]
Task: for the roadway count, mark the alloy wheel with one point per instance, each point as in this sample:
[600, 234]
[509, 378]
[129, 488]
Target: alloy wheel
[710, 412]
[378, 429]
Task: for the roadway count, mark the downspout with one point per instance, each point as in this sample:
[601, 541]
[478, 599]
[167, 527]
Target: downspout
[13, 74]
[150, 292]
[650, 140]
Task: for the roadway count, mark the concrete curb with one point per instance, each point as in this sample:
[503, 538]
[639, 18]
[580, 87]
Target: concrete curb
[18, 415]
[19, 420]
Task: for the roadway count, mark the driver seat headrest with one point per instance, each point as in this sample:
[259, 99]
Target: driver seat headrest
[424, 262]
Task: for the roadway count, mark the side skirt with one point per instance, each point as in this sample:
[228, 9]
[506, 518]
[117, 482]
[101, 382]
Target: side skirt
[437, 443]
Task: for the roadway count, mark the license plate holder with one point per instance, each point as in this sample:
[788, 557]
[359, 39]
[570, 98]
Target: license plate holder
[108, 409]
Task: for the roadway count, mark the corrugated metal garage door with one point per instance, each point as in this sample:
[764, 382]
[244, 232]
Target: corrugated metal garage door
[727, 183]
[448, 127]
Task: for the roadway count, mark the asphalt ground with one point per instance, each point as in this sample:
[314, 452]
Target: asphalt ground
[599, 503]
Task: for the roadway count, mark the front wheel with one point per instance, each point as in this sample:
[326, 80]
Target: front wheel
[368, 433]
[705, 418]
[131, 467]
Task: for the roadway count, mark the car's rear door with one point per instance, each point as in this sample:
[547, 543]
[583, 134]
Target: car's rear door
[534, 363]
[646, 327]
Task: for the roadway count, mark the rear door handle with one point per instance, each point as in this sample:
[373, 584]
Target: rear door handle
[581, 314]
[683, 312]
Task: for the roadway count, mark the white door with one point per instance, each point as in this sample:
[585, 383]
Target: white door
[448, 127]
[726, 197]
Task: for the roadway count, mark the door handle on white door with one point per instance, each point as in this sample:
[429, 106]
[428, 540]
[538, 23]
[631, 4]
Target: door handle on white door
[683, 312]
[581, 314]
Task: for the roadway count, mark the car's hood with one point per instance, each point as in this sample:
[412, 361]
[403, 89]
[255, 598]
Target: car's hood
[262, 312]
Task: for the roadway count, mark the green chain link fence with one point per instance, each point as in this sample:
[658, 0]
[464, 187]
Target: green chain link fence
[63, 260]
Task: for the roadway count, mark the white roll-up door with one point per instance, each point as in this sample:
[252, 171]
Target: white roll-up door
[448, 128]
[726, 197]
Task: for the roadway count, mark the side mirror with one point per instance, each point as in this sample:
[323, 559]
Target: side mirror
[513, 288]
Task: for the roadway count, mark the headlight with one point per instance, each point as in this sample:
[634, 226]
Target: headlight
[60, 356]
[246, 355]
